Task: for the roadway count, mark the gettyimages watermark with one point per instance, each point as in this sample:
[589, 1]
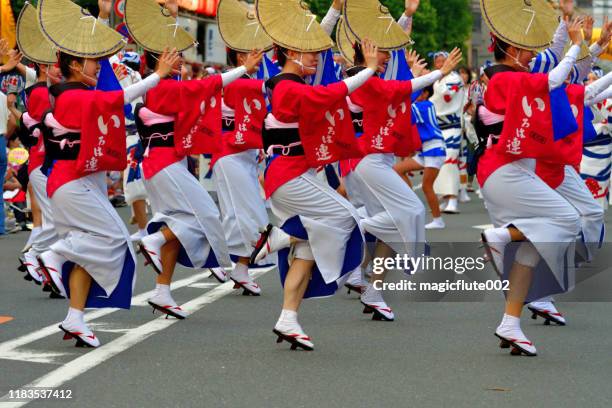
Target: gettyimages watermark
[461, 271]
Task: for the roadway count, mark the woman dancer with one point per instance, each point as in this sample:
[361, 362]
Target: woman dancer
[179, 118]
[520, 204]
[322, 227]
[93, 262]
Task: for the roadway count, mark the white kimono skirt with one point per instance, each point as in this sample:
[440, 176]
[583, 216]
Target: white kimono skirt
[47, 235]
[93, 236]
[181, 203]
[396, 215]
[516, 196]
[309, 209]
[242, 206]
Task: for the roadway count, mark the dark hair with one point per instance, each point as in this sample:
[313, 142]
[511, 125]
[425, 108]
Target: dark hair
[37, 69]
[132, 65]
[467, 70]
[429, 89]
[151, 59]
[232, 57]
[64, 63]
[359, 58]
[500, 49]
[281, 55]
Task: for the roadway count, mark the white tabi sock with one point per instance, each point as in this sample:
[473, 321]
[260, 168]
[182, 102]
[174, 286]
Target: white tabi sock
[74, 317]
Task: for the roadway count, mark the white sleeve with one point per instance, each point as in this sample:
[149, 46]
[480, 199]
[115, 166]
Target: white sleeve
[104, 21]
[140, 88]
[30, 76]
[329, 21]
[607, 94]
[559, 74]
[596, 50]
[560, 38]
[356, 81]
[596, 88]
[426, 80]
[405, 22]
[232, 75]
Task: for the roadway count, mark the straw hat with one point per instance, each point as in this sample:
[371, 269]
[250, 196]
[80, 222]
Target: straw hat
[370, 19]
[526, 24]
[345, 41]
[32, 43]
[239, 27]
[153, 28]
[73, 30]
[292, 25]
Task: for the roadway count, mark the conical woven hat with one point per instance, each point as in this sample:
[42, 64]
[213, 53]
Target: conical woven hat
[370, 19]
[345, 41]
[73, 30]
[240, 28]
[32, 43]
[526, 24]
[292, 25]
[153, 28]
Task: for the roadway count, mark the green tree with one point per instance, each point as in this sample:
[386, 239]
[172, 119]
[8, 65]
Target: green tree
[437, 24]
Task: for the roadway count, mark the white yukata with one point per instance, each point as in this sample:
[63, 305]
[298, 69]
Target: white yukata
[516, 196]
[242, 207]
[92, 235]
[448, 100]
[179, 201]
[396, 215]
[48, 234]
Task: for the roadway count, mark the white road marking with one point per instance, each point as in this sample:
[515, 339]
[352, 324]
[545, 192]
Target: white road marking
[8, 349]
[203, 285]
[84, 363]
[483, 227]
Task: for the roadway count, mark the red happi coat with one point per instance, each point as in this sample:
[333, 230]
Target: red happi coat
[569, 149]
[524, 99]
[37, 104]
[325, 128]
[196, 107]
[99, 116]
[386, 116]
[246, 98]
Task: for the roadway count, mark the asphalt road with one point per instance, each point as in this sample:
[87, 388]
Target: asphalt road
[436, 354]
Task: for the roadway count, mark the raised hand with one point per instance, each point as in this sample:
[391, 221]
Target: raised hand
[120, 71]
[172, 6]
[370, 54]
[419, 67]
[14, 60]
[588, 28]
[166, 63]
[411, 7]
[567, 7]
[574, 29]
[606, 33]
[253, 60]
[412, 57]
[105, 7]
[452, 61]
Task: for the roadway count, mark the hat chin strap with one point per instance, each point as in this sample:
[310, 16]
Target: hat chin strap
[301, 64]
[515, 59]
[93, 79]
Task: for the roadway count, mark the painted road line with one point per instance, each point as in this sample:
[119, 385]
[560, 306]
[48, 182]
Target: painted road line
[8, 348]
[483, 226]
[84, 363]
[5, 319]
